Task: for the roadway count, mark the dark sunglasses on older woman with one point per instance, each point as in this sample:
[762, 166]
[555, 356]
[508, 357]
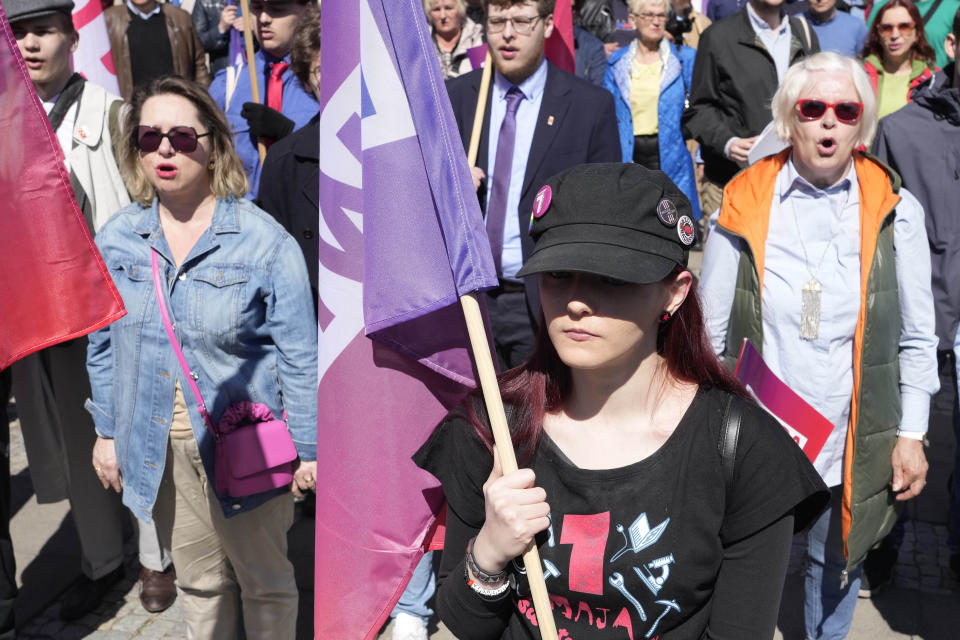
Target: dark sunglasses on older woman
[905, 28]
[182, 139]
[846, 112]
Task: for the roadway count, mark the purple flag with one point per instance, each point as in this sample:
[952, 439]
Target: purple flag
[238, 53]
[401, 238]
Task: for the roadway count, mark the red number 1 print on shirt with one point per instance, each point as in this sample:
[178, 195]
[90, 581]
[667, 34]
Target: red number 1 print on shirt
[588, 536]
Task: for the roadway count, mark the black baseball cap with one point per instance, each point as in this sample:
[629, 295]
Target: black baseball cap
[616, 220]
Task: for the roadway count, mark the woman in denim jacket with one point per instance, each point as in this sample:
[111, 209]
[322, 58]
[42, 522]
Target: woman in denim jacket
[240, 301]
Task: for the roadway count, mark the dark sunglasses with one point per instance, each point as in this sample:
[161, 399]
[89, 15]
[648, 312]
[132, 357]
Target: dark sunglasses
[905, 28]
[182, 139]
[846, 112]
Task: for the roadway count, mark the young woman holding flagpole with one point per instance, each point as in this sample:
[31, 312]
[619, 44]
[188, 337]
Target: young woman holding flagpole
[645, 525]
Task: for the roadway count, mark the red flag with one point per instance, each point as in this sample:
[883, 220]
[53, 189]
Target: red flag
[54, 285]
[559, 46]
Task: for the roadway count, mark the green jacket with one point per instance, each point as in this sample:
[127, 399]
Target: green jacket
[868, 503]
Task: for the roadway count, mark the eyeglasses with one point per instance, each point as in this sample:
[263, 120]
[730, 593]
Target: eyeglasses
[521, 24]
[905, 28]
[182, 139]
[650, 17]
[315, 75]
[846, 112]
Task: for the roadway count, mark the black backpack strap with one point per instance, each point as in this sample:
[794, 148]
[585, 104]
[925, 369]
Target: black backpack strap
[68, 97]
[729, 434]
[931, 11]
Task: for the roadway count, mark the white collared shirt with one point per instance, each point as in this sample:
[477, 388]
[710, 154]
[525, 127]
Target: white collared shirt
[65, 131]
[141, 14]
[777, 42]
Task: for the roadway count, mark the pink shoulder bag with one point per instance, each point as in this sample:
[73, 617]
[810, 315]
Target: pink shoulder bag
[254, 452]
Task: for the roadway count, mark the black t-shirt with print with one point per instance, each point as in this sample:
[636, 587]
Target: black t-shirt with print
[632, 552]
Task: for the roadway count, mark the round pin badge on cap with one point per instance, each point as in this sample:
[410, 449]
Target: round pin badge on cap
[540, 204]
[685, 230]
[667, 212]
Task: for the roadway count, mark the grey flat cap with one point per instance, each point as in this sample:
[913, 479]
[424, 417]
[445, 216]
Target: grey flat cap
[23, 9]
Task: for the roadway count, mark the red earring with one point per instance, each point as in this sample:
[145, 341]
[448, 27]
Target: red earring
[665, 316]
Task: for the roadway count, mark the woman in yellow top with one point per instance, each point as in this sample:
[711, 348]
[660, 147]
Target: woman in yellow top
[650, 81]
[897, 56]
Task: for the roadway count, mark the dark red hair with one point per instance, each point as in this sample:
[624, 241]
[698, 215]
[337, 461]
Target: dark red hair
[921, 49]
[543, 382]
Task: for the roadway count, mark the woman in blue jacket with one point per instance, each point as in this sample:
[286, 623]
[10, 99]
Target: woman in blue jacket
[236, 286]
[650, 81]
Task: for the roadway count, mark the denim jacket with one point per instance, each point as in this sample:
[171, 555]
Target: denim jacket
[242, 310]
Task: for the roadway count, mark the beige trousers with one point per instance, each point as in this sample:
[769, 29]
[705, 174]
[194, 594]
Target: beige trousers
[233, 576]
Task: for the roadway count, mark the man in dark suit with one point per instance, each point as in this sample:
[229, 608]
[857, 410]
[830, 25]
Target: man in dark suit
[538, 121]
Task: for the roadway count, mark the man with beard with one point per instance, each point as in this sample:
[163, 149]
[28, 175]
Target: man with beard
[740, 62]
[538, 121]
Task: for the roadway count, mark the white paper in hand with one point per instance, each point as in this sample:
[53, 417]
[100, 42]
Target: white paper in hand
[767, 144]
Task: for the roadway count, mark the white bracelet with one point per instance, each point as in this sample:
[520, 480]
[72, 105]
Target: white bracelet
[913, 435]
[482, 589]
[477, 586]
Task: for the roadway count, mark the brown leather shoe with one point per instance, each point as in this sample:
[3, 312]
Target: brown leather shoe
[157, 589]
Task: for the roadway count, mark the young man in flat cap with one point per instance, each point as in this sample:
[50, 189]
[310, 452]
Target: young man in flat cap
[51, 386]
[538, 121]
[285, 105]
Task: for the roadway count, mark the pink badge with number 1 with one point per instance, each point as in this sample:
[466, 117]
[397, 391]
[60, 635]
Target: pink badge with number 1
[540, 204]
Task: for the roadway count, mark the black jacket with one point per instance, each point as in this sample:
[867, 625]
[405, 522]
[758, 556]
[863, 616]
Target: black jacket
[290, 191]
[921, 142]
[734, 79]
[577, 124]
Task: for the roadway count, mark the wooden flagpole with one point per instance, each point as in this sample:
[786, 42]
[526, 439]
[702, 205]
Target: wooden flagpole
[252, 66]
[491, 389]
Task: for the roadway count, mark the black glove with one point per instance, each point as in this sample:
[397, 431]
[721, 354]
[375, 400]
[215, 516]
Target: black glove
[266, 122]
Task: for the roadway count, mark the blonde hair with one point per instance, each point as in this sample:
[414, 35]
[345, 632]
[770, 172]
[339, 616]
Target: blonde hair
[635, 5]
[800, 78]
[460, 4]
[228, 177]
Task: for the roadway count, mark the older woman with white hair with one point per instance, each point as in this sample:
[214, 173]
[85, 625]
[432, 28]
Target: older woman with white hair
[820, 259]
[650, 81]
[454, 34]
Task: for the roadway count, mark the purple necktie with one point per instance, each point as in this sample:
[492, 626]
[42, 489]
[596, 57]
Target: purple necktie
[503, 167]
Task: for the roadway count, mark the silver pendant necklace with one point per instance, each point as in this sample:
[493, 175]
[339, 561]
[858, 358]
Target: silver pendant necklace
[812, 289]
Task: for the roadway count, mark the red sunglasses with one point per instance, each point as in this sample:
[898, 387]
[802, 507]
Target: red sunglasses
[182, 139]
[846, 112]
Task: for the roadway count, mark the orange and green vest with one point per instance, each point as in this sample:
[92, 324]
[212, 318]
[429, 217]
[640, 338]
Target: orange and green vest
[868, 503]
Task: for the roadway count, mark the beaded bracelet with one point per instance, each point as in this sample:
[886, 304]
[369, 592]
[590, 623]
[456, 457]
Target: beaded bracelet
[485, 592]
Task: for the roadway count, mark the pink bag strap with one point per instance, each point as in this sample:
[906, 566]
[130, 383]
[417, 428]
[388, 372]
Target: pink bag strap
[191, 377]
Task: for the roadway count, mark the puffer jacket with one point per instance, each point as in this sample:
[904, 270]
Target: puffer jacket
[675, 80]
